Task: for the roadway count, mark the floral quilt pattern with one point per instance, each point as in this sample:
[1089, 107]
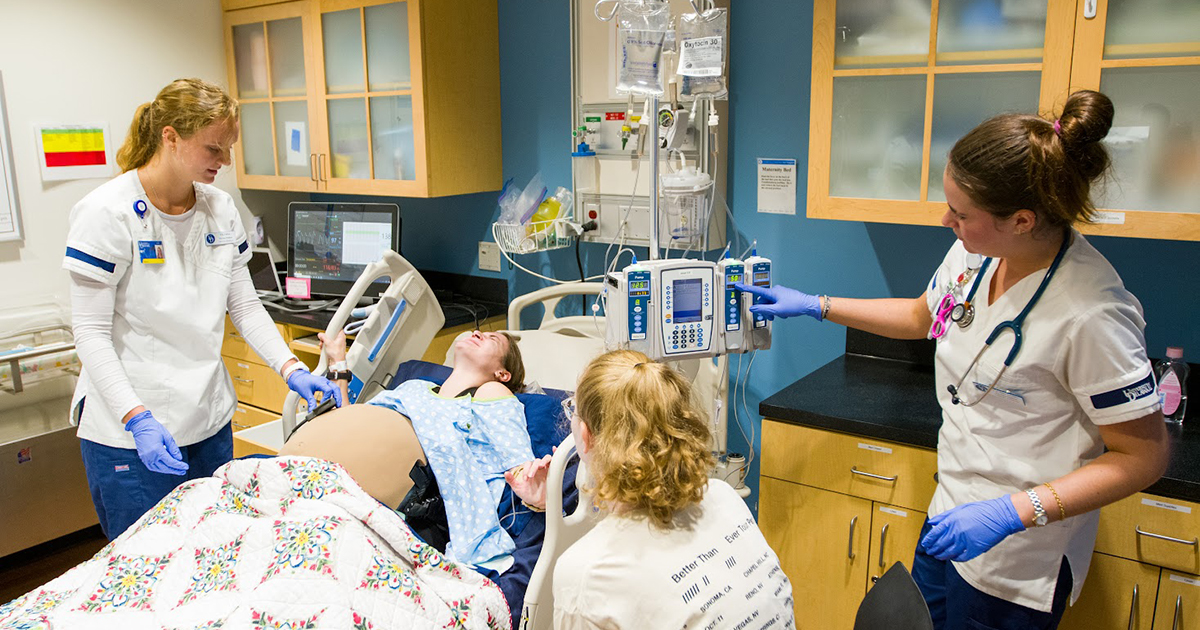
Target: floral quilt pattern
[297, 546]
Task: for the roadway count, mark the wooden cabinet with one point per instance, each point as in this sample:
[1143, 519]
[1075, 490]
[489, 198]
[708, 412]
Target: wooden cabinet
[893, 87]
[366, 96]
[1178, 605]
[1119, 594]
[839, 510]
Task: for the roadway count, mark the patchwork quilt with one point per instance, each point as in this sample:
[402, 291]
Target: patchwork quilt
[265, 544]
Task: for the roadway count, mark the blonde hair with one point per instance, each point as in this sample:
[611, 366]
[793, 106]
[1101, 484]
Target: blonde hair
[650, 443]
[186, 105]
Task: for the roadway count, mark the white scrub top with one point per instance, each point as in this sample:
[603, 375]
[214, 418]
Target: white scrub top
[1082, 364]
[169, 318]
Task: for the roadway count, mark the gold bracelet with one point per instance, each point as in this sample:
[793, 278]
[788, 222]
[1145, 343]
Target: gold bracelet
[1061, 511]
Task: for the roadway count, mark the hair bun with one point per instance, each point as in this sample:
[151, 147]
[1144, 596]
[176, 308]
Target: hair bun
[1086, 118]
[1085, 121]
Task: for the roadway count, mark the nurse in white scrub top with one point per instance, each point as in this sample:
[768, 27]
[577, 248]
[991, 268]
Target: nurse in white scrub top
[157, 257]
[1072, 424]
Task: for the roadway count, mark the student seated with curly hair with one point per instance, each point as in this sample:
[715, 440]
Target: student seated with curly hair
[675, 549]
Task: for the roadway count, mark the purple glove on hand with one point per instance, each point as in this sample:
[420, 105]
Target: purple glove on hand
[155, 446]
[780, 301]
[963, 532]
[306, 384]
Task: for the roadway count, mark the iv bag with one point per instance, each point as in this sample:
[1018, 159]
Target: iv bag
[641, 32]
[704, 53]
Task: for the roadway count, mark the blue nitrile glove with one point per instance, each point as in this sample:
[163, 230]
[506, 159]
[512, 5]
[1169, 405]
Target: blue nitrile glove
[965, 531]
[155, 446]
[306, 384]
[780, 301]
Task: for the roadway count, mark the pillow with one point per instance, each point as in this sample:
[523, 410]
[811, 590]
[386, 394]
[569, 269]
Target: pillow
[543, 412]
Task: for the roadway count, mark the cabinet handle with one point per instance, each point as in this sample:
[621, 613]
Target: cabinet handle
[242, 380]
[1089, 9]
[855, 470]
[1178, 612]
[321, 168]
[312, 166]
[1133, 607]
[1192, 542]
[882, 541]
[850, 550]
[239, 427]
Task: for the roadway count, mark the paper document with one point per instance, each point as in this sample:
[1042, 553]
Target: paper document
[777, 185]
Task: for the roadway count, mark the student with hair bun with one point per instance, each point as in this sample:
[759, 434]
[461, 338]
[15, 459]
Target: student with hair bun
[675, 549]
[157, 257]
[1039, 429]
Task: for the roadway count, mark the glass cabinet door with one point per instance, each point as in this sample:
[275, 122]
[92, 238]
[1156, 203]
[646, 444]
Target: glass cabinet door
[270, 75]
[369, 91]
[1149, 65]
[895, 84]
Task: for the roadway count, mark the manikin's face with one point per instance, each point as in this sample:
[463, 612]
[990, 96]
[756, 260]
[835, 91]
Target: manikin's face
[201, 156]
[483, 351]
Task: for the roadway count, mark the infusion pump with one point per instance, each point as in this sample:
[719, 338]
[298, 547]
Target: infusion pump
[684, 309]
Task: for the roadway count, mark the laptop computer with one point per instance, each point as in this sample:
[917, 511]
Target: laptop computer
[262, 271]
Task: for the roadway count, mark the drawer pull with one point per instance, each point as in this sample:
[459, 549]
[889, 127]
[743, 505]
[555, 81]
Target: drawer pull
[855, 470]
[1192, 542]
[882, 542]
[239, 427]
[1178, 612]
[1133, 607]
[243, 380]
[850, 552]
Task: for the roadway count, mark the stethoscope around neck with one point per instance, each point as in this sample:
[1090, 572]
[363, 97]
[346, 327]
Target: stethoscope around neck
[1013, 324]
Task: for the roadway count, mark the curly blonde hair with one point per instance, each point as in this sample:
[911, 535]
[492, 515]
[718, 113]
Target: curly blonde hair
[185, 105]
[650, 443]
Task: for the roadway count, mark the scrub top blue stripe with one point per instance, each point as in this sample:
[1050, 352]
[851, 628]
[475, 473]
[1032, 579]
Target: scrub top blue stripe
[91, 260]
[242, 248]
[1140, 389]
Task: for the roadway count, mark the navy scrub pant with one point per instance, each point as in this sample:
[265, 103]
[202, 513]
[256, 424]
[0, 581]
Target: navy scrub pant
[123, 488]
[956, 605]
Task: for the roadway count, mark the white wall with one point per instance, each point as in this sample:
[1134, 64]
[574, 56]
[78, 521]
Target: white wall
[80, 61]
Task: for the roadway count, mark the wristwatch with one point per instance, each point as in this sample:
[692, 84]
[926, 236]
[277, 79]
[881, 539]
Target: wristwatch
[1039, 514]
[339, 371]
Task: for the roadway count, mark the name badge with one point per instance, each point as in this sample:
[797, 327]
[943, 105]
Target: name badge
[150, 252]
[220, 238]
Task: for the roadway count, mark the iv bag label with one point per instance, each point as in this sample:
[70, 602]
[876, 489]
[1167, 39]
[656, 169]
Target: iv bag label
[1167, 506]
[877, 449]
[1171, 392]
[701, 57]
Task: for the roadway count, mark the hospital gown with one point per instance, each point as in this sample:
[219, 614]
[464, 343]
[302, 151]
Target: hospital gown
[470, 443]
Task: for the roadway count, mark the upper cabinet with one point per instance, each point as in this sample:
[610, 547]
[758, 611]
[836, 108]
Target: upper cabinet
[366, 96]
[896, 83]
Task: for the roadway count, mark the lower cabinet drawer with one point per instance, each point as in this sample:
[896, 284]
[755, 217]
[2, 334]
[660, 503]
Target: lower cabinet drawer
[246, 416]
[257, 384]
[235, 346]
[1151, 529]
[862, 467]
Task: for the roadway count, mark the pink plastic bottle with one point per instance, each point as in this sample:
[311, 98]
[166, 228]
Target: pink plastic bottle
[1171, 374]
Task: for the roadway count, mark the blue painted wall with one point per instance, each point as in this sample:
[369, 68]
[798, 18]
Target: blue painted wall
[771, 60]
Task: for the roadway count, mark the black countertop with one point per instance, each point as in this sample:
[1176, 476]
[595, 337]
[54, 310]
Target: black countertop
[894, 400]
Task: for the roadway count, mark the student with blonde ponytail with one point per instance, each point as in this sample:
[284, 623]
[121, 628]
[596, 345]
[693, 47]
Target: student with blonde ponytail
[157, 258]
[675, 549]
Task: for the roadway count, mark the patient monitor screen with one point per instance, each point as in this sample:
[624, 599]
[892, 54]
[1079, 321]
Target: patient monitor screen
[688, 300]
[333, 243]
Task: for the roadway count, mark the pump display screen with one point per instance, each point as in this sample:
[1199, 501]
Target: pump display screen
[640, 285]
[761, 277]
[733, 278]
[689, 300]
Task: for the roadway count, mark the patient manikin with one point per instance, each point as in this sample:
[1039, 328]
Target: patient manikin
[471, 431]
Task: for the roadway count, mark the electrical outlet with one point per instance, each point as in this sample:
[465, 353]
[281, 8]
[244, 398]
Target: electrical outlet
[489, 256]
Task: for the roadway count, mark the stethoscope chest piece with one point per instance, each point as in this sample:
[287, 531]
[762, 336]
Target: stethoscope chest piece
[963, 314]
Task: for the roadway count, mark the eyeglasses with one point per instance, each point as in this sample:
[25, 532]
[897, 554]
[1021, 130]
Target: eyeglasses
[569, 409]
